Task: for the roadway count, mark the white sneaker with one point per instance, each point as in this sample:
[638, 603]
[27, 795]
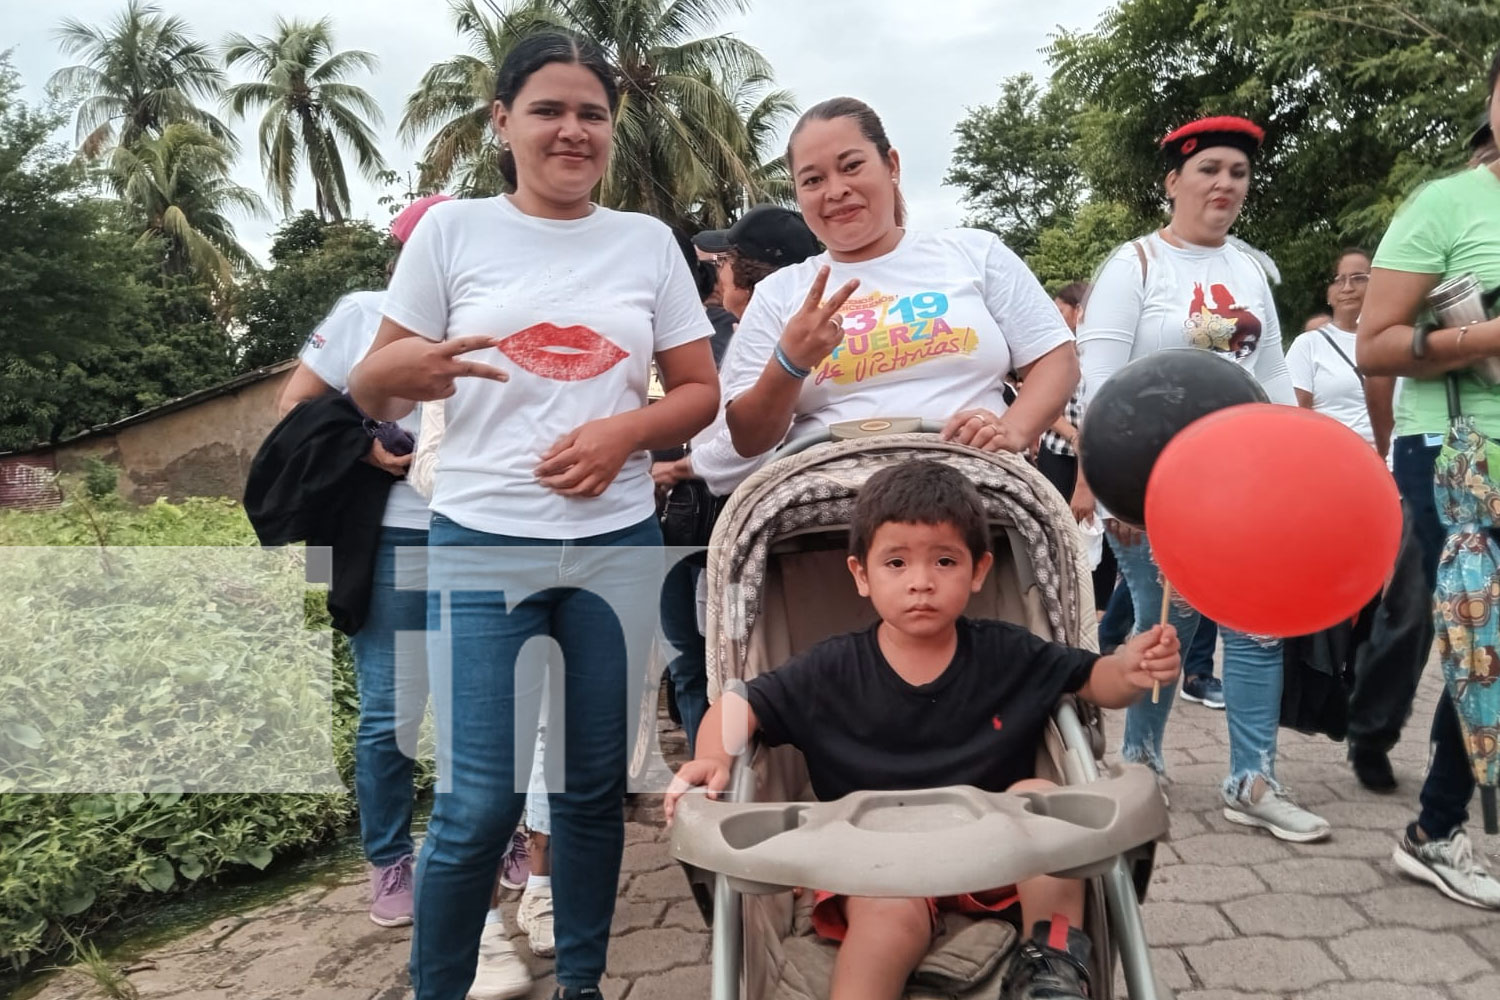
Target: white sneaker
[501, 975]
[1275, 811]
[535, 919]
[1452, 867]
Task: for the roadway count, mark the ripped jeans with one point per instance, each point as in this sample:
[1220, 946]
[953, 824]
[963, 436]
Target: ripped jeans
[1252, 682]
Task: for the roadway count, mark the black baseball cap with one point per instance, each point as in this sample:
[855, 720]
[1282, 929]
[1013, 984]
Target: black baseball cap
[767, 233]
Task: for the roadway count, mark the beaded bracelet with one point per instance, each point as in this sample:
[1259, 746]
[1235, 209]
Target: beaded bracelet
[790, 368]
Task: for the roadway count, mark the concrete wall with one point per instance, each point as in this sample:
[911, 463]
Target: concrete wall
[203, 449]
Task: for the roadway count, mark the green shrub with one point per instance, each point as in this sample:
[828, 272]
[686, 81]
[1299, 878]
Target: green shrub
[73, 862]
[100, 479]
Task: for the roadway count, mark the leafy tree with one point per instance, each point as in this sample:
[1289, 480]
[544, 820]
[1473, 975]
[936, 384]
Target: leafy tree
[1014, 162]
[59, 278]
[680, 138]
[314, 264]
[1072, 250]
[310, 110]
[1361, 101]
[139, 75]
[166, 341]
[178, 195]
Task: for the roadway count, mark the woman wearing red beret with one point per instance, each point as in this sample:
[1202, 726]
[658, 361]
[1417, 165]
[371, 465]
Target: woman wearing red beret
[1189, 284]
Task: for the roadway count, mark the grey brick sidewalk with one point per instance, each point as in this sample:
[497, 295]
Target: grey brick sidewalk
[1233, 914]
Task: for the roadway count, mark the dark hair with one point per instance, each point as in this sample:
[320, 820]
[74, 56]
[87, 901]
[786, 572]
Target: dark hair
[1494, 73]
[919, 492]
[870, 127]
[748, 272]
[1350, 252]
[543, 49]
[705, 276]
[1073, 294]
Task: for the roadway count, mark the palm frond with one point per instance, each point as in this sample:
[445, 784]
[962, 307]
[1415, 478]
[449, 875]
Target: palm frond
[339, 64]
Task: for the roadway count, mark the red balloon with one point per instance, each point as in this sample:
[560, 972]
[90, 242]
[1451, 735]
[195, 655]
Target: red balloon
[1273, 520]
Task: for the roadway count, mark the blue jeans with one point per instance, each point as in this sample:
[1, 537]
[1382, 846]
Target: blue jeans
[390, 671]
[689, 668]
[1252, 683]
[487, 683]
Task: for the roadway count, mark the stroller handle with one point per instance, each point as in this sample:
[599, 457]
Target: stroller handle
[856, 429]
[1073, 832]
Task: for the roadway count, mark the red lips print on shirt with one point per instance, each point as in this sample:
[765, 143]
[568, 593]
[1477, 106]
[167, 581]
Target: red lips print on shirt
[562, 353]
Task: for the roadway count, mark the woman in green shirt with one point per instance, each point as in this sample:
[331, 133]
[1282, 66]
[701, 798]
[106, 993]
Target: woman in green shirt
[1448, 228]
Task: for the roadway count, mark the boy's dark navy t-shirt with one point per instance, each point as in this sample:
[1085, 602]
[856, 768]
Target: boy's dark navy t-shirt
[862, 727]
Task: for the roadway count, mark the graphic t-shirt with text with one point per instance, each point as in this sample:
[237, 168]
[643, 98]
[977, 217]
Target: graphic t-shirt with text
[933, 329]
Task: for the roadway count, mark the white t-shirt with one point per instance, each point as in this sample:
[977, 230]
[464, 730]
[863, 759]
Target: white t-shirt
[581, 306]
[335, 347]
[1336, 389]
[933, 329]
[1215, 298]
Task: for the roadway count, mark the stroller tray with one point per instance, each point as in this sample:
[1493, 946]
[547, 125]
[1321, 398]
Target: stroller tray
[929, 842]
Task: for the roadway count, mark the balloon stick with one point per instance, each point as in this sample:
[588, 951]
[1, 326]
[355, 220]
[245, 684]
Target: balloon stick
[1166, 610]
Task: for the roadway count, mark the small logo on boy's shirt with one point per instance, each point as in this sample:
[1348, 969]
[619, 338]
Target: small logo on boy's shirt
[997, 723]
[317, 340]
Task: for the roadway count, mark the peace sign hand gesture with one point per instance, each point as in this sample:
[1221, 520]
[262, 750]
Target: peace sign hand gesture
[816, 329]
[421, 370]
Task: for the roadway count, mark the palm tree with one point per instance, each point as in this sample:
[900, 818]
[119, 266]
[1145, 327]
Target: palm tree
[454, 97]
[309, 110]
[141, 74]
[679, 137]
[764, 112]
[177, 187]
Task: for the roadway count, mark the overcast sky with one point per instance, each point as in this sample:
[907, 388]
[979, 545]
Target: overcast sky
[919, 63]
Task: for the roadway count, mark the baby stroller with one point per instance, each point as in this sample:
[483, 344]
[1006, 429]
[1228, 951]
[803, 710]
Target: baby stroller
[777, 584]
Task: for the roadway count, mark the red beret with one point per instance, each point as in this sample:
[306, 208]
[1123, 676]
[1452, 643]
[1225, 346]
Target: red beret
[1225, 130]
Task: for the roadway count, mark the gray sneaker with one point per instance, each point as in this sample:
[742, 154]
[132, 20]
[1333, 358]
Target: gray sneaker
[1276, 812]
[1452, 867]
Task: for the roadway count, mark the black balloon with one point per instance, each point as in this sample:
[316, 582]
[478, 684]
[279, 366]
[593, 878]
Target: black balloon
[1141, 408]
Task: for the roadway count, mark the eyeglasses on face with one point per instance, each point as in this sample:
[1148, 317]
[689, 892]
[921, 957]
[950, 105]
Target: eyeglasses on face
[1352, 280]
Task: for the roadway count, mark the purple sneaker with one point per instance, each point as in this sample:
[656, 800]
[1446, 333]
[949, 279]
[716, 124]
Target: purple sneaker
[391, 892]
[515, 867]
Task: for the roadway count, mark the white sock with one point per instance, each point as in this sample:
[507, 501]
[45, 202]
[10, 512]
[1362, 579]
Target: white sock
[493, 917]
[539, 881]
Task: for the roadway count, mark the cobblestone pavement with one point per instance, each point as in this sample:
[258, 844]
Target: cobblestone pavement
[1233, 914]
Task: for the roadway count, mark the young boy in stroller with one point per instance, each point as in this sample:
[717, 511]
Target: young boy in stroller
[926, 699]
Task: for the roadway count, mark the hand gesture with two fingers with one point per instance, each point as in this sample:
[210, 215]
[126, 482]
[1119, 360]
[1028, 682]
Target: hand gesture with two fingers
[816, 329]
[423, 370]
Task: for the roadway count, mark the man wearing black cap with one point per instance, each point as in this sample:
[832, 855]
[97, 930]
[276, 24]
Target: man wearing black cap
[765, 239]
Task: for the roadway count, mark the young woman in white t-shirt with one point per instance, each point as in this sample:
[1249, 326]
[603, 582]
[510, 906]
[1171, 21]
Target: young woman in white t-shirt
[1189, 284]
[560, 306]
[1321, 360]
[890, 321]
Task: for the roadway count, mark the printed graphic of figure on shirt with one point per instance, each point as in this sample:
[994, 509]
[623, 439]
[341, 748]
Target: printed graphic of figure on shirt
[1227, 327]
